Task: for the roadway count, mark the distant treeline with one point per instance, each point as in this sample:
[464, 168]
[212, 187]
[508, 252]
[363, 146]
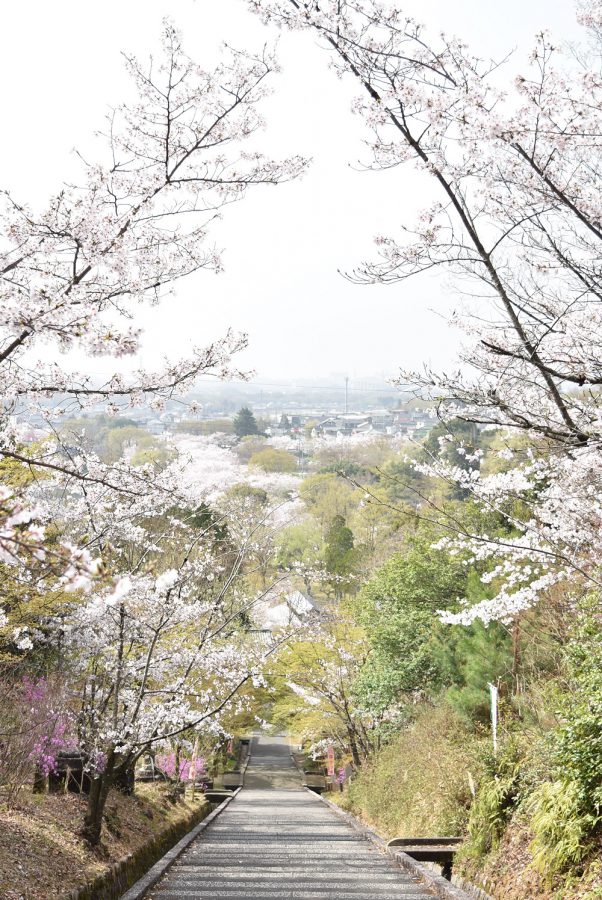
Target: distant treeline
[209, 426]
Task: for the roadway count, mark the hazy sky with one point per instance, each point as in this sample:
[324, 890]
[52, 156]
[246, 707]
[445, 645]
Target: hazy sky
[61, 68]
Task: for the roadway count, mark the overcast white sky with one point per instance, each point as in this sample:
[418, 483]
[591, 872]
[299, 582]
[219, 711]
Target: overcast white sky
[60, 69]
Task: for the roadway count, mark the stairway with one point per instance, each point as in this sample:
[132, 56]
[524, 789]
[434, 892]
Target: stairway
[277, 841]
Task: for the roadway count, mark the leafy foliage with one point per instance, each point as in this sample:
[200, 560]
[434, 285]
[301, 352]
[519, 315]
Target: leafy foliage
[420, 782]
[562, 829]
[578, 742]
[397, 608]
[273, 460]
[245, 423]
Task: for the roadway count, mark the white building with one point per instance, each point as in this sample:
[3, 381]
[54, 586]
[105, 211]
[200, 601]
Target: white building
[292, 610]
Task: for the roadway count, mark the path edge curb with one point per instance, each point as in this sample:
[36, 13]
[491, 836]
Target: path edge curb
[156, 872]
[141, 887]
[440, 886]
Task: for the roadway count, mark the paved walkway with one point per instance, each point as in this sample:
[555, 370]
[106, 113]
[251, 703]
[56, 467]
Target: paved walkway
[276, 841]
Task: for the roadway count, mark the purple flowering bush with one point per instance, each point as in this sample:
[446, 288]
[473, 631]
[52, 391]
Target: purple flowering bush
[35, 726]
[167, 763]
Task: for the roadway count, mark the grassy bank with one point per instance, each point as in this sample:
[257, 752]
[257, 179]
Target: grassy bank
[438, 777]
[420, 783]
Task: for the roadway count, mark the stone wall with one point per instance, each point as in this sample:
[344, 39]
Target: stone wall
[124, 873]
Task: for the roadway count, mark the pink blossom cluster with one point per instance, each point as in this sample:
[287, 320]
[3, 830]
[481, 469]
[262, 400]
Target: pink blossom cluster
[51, 725]
[47, 747]
[167, 763]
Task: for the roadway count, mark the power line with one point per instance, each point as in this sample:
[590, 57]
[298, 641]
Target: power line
[209, 379]
[310, 387]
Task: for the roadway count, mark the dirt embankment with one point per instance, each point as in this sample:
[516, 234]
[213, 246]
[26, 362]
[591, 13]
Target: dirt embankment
[42, 855]
[508, 873]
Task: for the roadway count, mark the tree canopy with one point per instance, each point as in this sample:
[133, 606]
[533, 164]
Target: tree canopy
[245, 423]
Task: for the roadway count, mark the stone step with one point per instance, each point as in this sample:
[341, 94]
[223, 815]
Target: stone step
[330, 863]
[185, 872]
[357, 890]
[263, 894]
[273, 843]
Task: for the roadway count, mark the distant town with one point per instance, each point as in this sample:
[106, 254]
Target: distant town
[308, 410]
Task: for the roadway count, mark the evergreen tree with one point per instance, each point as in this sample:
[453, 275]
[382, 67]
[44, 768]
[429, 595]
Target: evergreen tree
[338, 554]
[245, 422]
[397, 608]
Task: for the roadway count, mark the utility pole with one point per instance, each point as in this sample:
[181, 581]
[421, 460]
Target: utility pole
[346, 394]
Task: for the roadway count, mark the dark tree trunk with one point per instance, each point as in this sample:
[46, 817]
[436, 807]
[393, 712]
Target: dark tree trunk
[516, 656]
[40, 781]
[355, 755]
[175, 788]
[97, 798]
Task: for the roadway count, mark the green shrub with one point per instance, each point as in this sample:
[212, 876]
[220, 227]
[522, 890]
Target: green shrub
[565, 810]
[489, 814]
[499, 793]
[420, 783]
[578, 741]
[272, 460]
[561, 826]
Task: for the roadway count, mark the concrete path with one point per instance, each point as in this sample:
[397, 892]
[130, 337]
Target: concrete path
[276, 841]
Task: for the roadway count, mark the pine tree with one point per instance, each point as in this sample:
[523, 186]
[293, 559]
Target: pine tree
[338, 554]
[245, 422]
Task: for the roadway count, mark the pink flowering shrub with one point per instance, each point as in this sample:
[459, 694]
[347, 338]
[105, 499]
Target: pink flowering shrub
[34, 727]
[46, 749]
[51, 725]
[167, 763]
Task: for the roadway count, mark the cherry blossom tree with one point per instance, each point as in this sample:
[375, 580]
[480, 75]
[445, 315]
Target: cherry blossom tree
[158, 647]
[515, 166]
[74, 275]
[213, 469]
[518, 209]
[164, 650]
